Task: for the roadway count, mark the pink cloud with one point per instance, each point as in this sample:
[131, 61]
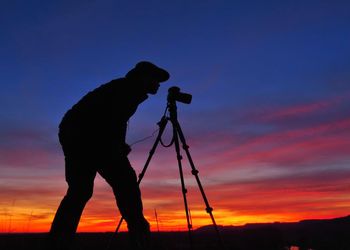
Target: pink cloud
[29, 157]
[298, 110]
[326, 142]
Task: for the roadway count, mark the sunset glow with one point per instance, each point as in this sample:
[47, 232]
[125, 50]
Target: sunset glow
[287, 175]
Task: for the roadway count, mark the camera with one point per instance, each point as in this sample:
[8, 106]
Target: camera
[174, 95]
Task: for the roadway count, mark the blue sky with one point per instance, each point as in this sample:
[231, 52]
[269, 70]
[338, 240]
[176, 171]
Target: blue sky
[56, 51]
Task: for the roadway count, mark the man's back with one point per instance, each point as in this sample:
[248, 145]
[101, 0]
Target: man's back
[104, 110]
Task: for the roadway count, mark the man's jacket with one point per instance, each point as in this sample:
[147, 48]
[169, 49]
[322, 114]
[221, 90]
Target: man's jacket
[102, 114]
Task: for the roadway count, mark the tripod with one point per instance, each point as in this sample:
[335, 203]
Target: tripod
[178, 137]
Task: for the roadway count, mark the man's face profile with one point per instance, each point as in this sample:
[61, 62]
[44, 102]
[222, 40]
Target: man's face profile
[153, 87]
[150, 84]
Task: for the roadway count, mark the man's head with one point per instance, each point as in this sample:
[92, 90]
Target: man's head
[148, 76]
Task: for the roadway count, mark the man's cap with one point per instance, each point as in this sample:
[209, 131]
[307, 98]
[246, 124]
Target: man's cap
[145, 68]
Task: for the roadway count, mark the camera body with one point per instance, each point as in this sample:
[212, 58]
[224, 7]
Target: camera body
[174, 95]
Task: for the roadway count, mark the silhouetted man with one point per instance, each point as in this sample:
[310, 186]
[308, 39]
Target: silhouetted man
[92, 134]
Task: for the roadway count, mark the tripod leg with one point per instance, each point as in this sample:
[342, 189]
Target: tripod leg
[162, 124]
[184, 190]
[195, 172]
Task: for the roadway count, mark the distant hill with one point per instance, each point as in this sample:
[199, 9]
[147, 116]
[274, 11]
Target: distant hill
[330, 234]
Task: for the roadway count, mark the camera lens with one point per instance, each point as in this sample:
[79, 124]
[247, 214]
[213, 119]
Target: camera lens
[174, 94]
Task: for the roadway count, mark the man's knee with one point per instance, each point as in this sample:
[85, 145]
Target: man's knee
[128, 175]
[82, 194]
[121, 178]
[127, 190]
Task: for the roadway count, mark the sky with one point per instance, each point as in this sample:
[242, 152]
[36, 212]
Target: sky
[268, 126]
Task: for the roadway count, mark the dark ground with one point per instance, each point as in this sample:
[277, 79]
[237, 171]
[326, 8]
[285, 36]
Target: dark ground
[99, 241]
[161, 241]
[331, 234]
